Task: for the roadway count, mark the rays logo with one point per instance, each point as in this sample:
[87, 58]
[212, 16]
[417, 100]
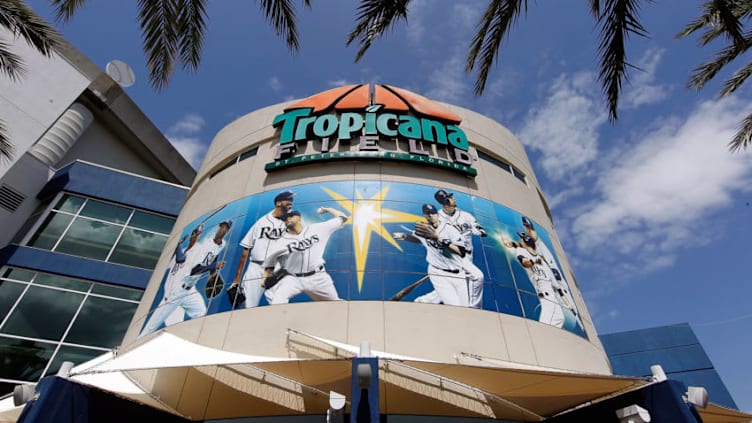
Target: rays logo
[363, 115]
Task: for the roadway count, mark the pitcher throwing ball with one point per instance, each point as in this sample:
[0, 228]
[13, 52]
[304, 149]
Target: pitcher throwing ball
[300, 254]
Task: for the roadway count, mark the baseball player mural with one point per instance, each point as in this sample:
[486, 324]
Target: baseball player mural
[299, 257]
[445, 252]
[185, 269]
[542, 277]
[468, 226]
[255, 243]
[565, 295]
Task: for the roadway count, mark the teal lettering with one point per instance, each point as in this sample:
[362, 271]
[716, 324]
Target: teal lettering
[433, 128]
[349, 123]
[409, 127]
[371, 124]
[301, 133]
[289, 120]
[385, 124]
[325, 126]
[457, 137]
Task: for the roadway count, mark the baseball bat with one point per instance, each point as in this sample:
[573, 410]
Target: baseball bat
[212, 214]
[408, 289]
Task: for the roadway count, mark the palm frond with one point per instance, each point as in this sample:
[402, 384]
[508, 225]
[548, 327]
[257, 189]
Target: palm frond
[707, 71]
[10, 63]
[719, 17]
[157, 19]
[618, 20]
[281, 14]
[65, 9]
[499, 17]
[743, 137]
[373, 19]
[6, 146]
[736, 80]
[595, 8]
[191, 30]
[24, 23]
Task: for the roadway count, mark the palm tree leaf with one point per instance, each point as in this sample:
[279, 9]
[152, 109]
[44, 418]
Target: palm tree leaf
[281, 14]
[743, 137]
[736, 80]
[24, 23]
[595, 8]
[191, 30]
[618, 20]
[707, 71]
[65, 9]
[158, 19]
[718, 17]
[373, 19]
[10, 63]
[499, 17]
[6, 146]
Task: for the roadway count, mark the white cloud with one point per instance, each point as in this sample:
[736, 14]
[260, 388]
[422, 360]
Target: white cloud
[275, 84]
[338, 83]
[660, 196]
[564, 128]
[184, 137]
[190, 124]
[641, 89]
[415, 28]
[192, 149]
[448, 82]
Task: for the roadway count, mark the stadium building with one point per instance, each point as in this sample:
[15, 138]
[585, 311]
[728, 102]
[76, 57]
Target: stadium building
[365, 253]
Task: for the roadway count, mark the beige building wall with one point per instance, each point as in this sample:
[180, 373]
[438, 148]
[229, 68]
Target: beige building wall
[430, 332]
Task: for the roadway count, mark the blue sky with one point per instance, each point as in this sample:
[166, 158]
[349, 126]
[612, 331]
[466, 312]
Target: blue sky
[654, 213]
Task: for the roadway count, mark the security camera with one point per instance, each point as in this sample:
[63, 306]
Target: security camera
[633, 414]
[697, 395]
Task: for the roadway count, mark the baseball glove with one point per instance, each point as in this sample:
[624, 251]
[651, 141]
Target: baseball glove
[214, 285]
[274, 278]
[425, 230]
[236, 295]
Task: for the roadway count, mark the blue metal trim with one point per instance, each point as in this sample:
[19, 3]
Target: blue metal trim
[111, 185]
[75, 267]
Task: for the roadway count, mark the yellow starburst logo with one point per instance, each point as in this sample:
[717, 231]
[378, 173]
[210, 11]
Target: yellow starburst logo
[369, 216]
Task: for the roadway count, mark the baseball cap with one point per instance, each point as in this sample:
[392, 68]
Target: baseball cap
[527, 239]
[526, 222]
[227, 223]
[284, 196]
[290, 213]
[429, 209]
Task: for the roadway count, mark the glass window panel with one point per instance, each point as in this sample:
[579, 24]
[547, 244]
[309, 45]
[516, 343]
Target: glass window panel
[138, 248]
[9, 292]
[117, 291]
[69, 203]
[23, 359]
[89, 238]
[151, 222]
[105, 211]
[43, 313]
[19, 274]
[102, 322]
[77, 355]
[62, 282]
[6, 388]
[51, 229]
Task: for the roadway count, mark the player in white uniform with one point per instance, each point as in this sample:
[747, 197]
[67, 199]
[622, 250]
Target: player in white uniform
[541, 277]
[468, 226]
[300, 252]
[256, 242]
[565, 295]
[185, 270]
[445, 256]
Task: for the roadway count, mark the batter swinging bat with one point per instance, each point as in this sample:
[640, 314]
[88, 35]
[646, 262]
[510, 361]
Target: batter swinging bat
[214, 213]
[408, 289]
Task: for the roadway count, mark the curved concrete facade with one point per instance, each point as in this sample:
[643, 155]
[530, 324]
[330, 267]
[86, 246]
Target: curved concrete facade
[434, 332]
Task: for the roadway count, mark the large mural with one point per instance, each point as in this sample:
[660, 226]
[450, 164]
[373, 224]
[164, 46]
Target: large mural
[364, 240]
